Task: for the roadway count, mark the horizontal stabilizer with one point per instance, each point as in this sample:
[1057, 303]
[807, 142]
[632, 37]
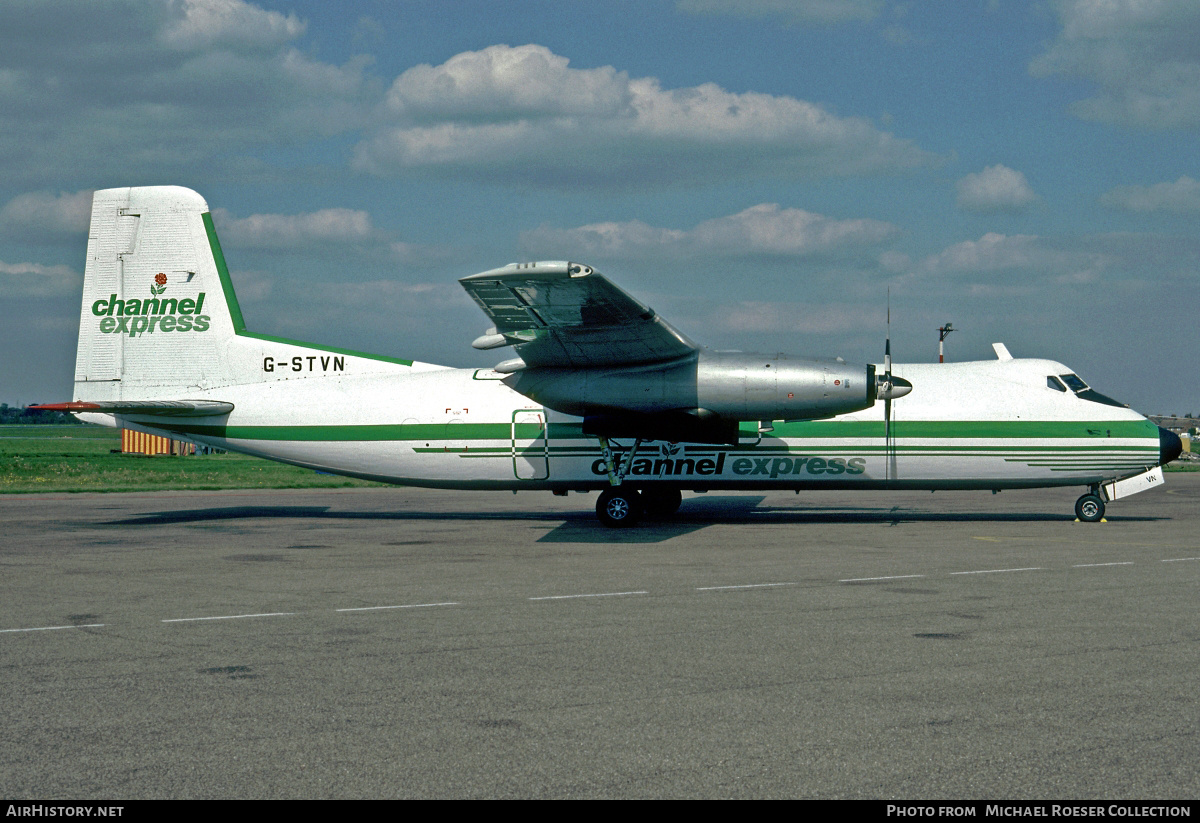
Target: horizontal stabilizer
[166, 408]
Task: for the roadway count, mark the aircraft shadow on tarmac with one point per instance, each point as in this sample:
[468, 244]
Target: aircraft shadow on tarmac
[582, 527]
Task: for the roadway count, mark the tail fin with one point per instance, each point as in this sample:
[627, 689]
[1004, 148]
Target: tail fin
[160, 321]
[158, 309]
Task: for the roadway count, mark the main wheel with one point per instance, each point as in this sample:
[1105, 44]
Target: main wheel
[619, 508]
[661, 502]
[1089, 508]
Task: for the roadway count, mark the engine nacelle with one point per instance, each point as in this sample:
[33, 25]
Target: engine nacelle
[725, 385]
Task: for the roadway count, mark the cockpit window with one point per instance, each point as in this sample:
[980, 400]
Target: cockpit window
[1073, 382]
[1081, 390]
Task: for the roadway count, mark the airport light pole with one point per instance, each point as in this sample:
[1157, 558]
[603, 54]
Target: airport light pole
[942, 332]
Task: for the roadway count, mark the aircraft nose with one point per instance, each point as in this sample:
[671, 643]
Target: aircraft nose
[1169, 446]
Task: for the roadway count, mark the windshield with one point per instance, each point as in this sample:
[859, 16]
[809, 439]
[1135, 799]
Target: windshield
[1073, 382]
[1081, 390]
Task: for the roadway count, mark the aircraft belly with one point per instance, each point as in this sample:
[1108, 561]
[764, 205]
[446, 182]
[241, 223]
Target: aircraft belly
[395, 461]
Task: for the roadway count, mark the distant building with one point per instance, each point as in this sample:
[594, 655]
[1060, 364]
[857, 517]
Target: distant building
[1179, 425]
[133, 442]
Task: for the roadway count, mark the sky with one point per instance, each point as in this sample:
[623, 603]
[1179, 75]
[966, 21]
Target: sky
[766, 174]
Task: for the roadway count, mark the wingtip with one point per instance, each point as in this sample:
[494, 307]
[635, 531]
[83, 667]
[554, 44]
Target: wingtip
[74, 406]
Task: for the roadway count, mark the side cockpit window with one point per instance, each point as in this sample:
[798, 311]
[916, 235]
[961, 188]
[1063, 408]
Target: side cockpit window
[1056, 384]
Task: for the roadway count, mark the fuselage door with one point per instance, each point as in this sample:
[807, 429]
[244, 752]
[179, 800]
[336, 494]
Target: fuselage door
[530, 450]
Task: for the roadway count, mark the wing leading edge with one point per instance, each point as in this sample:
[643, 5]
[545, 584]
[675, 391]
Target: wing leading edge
[565, 315]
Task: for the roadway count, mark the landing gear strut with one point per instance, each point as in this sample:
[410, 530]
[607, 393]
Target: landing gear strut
[1090, 508]
[620, 506]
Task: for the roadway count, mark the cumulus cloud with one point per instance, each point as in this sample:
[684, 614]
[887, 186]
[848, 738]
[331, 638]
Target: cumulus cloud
[1142, 54]
[995, 189]
[380, 315]
[794, 11]
[301, 231]
[998, 259]
[46, 217]
[759, 316]
[991, 253]
[524, 114]
[110, 87]
[502, 83]
[1182, 196]
[38, 280]
[765, 229]
[347, 234]
[205, 23]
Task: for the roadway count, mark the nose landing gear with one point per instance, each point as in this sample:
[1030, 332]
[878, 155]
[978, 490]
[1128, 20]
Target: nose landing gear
[1090, 508]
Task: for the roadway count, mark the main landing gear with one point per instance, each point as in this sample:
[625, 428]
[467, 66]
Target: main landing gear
[621, 506]
[1090, 508]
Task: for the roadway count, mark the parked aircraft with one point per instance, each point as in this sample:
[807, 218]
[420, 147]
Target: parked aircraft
[604, 395]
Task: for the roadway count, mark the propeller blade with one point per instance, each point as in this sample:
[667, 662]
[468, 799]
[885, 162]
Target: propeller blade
[887, 392]
[887, 438]
[887, 342]
[890, 389]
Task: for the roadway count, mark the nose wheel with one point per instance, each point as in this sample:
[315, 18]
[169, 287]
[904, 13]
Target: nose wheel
[1089, 508]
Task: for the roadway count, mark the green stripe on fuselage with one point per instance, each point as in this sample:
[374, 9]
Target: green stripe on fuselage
[387, 431]
[1021, 430]
[988, 429]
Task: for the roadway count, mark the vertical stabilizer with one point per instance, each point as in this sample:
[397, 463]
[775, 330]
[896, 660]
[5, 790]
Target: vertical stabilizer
[156, 316]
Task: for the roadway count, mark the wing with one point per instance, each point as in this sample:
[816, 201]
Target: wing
[566, 315]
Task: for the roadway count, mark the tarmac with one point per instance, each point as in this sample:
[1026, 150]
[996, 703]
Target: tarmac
[398, 643]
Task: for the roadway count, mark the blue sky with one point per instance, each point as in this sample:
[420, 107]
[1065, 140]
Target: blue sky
[761, 172]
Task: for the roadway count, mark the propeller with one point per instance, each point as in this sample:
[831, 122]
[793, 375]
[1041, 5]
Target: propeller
[889, 388]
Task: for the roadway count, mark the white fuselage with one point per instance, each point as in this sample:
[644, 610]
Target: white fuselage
[987, 424]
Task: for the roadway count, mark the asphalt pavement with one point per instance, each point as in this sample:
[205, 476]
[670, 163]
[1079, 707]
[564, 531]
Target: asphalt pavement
[417, 643]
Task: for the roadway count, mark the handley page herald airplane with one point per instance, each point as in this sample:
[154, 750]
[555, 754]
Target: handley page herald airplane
[163, 349]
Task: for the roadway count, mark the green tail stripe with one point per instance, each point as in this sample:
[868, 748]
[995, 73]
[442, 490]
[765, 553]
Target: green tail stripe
[235, 311]
[239, 324]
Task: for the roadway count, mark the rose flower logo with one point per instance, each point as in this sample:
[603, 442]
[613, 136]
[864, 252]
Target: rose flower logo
[160, 286]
